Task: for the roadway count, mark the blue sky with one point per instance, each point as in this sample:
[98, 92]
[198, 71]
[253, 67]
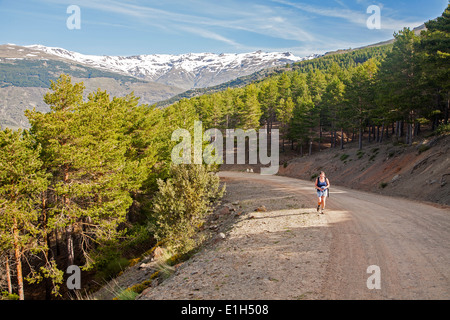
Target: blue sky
[113, 27]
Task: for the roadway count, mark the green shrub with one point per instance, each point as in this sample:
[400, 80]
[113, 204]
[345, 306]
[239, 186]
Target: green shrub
[127, 295]
[344, 157]
[182, 202]
[9, 296]
[423, 148]
[109, 262]
[113, 268]
[383, 185]
[443, 129]
[139, 239]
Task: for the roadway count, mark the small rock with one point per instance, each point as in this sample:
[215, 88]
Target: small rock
[158, 252]
[261, 209]
[178, 265]
[146, 259]
[225, 210]
[395, 178]
[221, 236]
[144, 265]
[149, 267]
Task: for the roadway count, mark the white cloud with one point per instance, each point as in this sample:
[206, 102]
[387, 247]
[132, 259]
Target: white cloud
[352, 16]
[229, 15]
[285, 21]
[209, 35]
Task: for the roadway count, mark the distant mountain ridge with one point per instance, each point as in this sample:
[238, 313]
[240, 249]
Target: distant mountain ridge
[187, 71]
[26, 72]
[25, 76]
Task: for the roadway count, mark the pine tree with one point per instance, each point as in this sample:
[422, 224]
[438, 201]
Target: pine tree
[284, 86]
[399, 74]
[433, 50]
[85, 148]
[284, 112]
[317, 83]
[228, 109]
[303, 120]
[360, 95]
[268, 98]
[53, 132]
[250, 111]
[332, 103]
[21, 182]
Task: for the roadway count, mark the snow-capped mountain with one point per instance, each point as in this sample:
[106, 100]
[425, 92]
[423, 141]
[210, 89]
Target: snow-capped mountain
[191, 70]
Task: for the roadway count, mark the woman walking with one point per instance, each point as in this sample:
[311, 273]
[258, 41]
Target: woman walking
[322, 185]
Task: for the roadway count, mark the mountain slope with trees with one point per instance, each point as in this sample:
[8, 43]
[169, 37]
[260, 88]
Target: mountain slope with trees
[403, 86]
[77, 187]
[92, 183]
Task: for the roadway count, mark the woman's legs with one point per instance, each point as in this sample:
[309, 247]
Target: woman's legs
[323, 202]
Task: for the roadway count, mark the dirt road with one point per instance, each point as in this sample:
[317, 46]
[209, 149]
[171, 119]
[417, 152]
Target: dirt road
[291, 252]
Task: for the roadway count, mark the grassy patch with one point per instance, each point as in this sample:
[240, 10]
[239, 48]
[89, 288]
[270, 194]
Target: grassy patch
[127, 295]
[443, 129]
[374, 152]
[8, 296]
[423, 148]
[302, 296]
[273, 279]
[111, 267]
